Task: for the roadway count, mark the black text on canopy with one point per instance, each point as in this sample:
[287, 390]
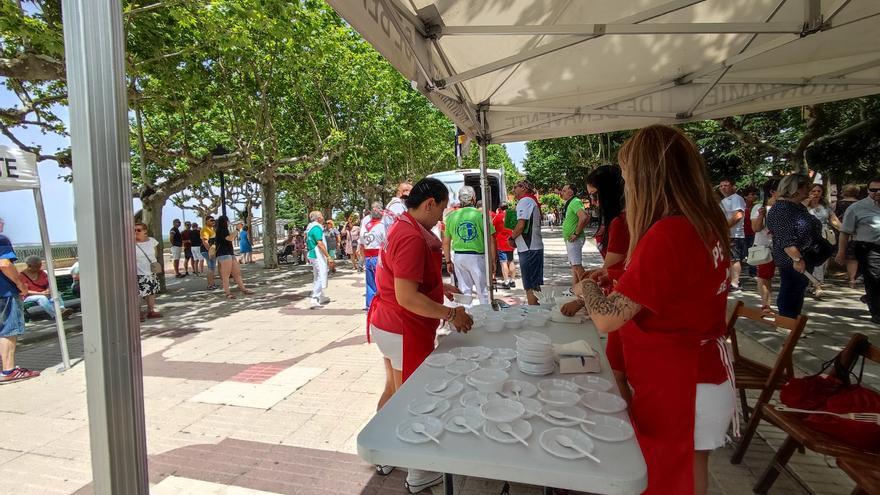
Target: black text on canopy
[18, 170]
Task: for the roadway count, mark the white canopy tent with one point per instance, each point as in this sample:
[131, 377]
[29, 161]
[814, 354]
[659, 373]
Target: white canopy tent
[18, 170]
[517, 70]
[541, 69]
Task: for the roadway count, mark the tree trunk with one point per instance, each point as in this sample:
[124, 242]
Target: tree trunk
[269, 192]
[152, 216]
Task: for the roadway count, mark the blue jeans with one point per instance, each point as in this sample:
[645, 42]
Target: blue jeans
[45, 302]
[792, 285]
[370, 269]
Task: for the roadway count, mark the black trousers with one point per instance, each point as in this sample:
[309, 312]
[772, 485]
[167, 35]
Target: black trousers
[868, 256]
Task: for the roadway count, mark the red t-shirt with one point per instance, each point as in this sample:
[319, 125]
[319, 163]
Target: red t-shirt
[617, 238]
[682, 288]
[39, 285]
[747, 222]
[406, 255]
[502, 233]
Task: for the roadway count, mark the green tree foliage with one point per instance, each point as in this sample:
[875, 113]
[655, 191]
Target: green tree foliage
[551, 201]
[550, 163]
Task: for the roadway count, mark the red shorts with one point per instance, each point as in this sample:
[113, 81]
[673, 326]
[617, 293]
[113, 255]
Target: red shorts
[767, 270]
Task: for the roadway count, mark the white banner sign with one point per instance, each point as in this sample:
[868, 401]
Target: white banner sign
[18, 169]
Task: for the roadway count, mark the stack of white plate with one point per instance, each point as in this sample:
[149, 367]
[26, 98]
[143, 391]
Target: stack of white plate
[534, 352]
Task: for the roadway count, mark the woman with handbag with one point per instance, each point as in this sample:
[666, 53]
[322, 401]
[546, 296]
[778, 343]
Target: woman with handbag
[759, 253]
[147, 268]
[797, 238]
[819, 208]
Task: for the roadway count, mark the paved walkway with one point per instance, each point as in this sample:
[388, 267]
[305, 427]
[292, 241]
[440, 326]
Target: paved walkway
[260, 395]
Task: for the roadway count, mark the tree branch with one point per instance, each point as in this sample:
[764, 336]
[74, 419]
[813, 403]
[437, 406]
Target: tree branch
[32, 67]
[734, 127]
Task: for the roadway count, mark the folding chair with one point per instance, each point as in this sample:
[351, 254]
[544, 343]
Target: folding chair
[801, 436]
[864, 473]
[752, 375]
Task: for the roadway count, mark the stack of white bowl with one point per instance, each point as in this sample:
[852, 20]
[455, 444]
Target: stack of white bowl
[534, 353]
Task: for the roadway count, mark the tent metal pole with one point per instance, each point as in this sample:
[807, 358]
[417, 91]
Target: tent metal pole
[53, 285]
[94, 46]
[487, 207]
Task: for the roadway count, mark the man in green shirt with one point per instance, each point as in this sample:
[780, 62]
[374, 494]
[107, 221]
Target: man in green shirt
[574, 221]
[465, 236]
[319, 258]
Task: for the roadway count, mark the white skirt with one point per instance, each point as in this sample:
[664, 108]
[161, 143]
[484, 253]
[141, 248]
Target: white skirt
[390, 345]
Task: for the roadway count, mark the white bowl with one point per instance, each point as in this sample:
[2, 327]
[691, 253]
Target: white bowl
[604, 402]
[461, 366]
[493, 325]
[513, 322]
[537, 321]
[495, 364]
[463, 299]
[592, 382]
[502, 410]
[486, 380]
[557, 384]
[559, 398]
[536, 368]
[532, 406]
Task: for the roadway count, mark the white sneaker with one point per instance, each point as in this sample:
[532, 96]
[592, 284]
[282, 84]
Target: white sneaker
[316, 304]
[418, 480]
[568, 293]
[325, 300]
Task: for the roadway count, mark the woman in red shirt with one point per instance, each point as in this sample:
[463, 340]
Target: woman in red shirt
[408, 305]
[669, 309]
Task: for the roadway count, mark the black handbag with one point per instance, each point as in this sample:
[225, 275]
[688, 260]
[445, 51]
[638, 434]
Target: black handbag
[818, 251]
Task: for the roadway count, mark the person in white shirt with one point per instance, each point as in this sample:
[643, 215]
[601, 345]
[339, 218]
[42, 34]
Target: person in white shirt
[396, 206]
[527, 235]
[734, 207]
[372, 238]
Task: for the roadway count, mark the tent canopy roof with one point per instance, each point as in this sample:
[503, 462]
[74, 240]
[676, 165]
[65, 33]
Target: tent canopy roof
[549, 68]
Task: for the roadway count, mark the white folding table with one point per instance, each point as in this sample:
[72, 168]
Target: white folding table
[621, 472]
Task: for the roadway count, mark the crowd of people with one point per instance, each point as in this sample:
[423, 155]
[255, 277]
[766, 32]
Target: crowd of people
[662, 227]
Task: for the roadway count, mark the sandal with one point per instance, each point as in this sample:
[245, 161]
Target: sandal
[766, 311]
[230, 296]
[246, 291]
[154, 314]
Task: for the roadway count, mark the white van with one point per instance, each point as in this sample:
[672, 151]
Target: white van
[454, 179]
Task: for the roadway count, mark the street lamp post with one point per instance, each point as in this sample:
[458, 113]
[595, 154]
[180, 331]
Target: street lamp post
[219, 151]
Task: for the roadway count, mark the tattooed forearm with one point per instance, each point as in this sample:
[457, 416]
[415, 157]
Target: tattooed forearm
[609, 313]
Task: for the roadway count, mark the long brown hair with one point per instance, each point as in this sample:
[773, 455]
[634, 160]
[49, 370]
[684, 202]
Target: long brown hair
[665, 175]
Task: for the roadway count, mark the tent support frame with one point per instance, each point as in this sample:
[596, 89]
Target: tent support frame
[53, 284]
[487, 205]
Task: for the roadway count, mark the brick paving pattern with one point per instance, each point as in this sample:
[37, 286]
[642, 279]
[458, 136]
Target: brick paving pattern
[263, 395]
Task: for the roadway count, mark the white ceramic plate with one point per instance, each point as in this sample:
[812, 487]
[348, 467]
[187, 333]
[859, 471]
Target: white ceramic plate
[557, 384]
[573, 411]
[559, 398]
[471, 416]
[504, 353]
[461, 367]
[477, 353]
[502, 410]
[526, 389]
[592, 382]
[440, 360]
[520, 426]
[533, 372]
[608, 428]
[533, 337]
[428, 406]
[475, 398]
[603, 402]
[495, 364]
[454, 388]
[433, 427]
[550, 444]
[533, 406]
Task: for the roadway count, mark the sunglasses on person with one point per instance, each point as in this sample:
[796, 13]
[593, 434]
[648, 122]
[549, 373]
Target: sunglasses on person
[874, 189]
[139, 230]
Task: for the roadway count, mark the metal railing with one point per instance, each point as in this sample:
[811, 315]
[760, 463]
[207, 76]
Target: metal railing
[61, 251]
